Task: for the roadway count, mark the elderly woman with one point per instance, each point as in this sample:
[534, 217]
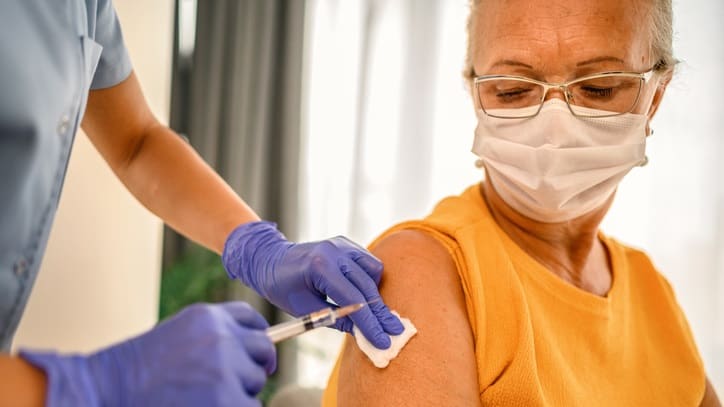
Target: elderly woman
[519, 299]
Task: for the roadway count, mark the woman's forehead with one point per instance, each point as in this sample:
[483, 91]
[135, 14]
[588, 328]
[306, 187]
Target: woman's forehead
[569, 32]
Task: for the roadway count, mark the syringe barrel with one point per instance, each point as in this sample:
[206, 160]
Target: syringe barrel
[285, 330]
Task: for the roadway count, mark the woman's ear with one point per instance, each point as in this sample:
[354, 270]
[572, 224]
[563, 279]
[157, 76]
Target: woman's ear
[469, 78]
[659, 93]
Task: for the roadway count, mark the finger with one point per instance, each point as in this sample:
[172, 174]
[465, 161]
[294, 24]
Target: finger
[245, 315]
[343, 243]
[249, 373]
[254, 380]
[344, 292]
[370, 264]
[343, 324]
[259, 348]
[251, 376]
[389, 322]
[367, 323]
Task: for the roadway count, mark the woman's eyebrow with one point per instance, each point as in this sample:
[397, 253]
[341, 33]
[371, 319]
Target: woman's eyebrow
[510, 62]
[601, 59]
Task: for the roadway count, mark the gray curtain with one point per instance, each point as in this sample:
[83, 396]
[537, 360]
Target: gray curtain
[421, 20]
[237, 100]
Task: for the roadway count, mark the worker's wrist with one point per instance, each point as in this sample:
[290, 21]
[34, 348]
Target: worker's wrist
[252, 250]
[68, 379]
[110, 369]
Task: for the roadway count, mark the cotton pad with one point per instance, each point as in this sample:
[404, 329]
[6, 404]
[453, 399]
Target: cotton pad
[382, 357]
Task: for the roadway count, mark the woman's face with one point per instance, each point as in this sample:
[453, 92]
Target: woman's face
[560, 40]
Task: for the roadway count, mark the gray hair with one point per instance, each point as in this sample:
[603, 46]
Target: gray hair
[662, 33]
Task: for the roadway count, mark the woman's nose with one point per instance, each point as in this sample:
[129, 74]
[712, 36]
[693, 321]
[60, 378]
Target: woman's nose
[558, 92]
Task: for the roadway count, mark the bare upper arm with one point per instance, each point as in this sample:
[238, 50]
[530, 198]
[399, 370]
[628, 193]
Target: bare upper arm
[116, 120]
[710, 397]
[437, 367]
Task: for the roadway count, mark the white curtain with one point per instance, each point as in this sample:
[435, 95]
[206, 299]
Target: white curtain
[389, 124]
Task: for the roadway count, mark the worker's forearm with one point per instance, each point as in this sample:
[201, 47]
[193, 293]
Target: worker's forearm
[172, 181]
[21, 384]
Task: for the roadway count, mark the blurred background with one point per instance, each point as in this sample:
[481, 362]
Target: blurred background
[345, 117]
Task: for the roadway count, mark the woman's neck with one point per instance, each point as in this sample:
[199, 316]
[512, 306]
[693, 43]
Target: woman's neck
[571, 250]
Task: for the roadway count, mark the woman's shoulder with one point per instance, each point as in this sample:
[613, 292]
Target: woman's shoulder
[634, 260]
[646, 282]
[459, 211]
[416, 250]
[442, 225]
[420, 282]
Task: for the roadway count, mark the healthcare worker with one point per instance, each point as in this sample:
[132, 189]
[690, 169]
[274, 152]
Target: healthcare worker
[63, 64]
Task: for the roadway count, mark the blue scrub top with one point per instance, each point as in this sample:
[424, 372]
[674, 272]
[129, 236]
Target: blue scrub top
[51, 53]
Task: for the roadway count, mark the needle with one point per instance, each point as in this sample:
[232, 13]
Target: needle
[324, 317]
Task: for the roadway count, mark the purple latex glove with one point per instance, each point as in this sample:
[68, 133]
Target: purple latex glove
[207, 355]
[298, 278]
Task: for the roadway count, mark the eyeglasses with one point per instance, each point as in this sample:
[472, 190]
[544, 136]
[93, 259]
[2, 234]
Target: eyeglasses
[600, 95]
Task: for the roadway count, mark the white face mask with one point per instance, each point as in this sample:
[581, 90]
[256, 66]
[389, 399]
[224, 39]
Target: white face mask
[555, 167]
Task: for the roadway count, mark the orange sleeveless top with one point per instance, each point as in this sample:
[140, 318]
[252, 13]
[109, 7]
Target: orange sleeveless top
[540, 341]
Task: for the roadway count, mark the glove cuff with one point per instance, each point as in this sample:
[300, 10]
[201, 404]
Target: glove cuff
[69, 380]
[251, 251]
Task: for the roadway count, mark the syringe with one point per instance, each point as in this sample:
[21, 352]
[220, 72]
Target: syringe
[325, 317]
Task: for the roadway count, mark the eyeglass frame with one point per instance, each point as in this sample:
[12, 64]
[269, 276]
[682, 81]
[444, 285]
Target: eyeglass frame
[563, 86]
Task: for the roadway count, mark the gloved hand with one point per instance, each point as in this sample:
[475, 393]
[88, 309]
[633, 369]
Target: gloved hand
[298, 278]
[207, 355]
